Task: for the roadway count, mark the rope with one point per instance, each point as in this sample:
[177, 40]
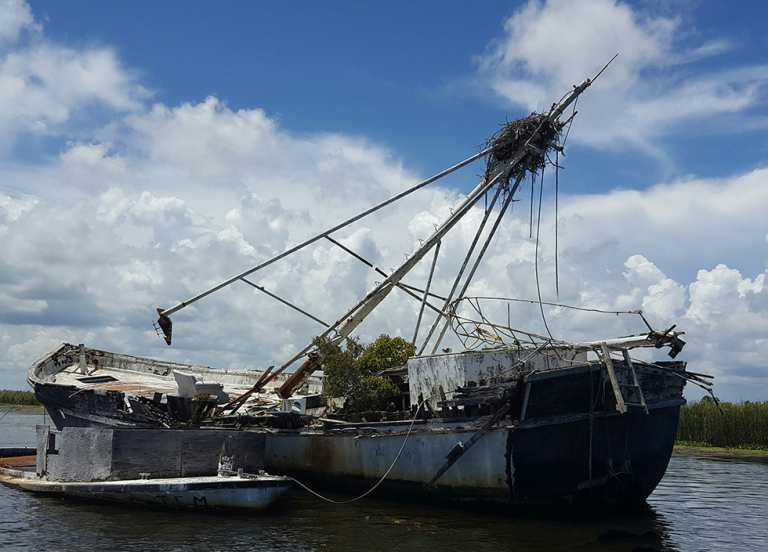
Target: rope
[380, 481]
[536, 259]
[557, 199]
[532, 301]
[11, 408]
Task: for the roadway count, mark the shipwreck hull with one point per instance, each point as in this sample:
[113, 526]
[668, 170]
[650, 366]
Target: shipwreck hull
[104, 389]
[558, 436]
[526, 465]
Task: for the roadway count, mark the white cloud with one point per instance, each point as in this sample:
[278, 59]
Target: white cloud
[42, 83]
[98, 264]
[550, 46]
[15, 15]
[174, 199]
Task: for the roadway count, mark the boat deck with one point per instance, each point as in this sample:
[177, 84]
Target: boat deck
[20, 463]
[132, 383]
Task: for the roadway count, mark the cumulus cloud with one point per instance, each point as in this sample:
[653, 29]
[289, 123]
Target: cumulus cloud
[550, 45]
[171, 200]
[42, 84]
[93, 266]
[15, 15]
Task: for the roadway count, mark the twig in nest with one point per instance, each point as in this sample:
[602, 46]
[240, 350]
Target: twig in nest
[514, 134]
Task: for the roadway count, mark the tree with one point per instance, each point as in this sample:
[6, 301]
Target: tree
[353, 372]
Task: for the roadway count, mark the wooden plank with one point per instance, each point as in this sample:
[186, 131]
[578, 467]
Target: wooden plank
[153, 451]
[526, 397]
[634, 378]
[85, 454]
[42, 449]
[200, 451]
[251, 447]
[620, 406]
[444, 410]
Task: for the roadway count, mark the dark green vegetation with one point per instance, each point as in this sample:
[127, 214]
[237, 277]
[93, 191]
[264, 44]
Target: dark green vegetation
[745, 425]
[353, 372]
[21, 398]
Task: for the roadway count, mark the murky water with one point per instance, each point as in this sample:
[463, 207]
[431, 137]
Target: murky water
[703, 503]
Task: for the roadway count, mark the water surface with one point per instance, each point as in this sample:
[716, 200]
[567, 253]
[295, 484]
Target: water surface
[703, 503]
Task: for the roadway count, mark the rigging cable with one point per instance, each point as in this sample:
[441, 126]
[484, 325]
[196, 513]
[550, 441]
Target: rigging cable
[383, 477]
[557, 196]
[557, 193]
[536, 259]
[638, 312]
[530, 220]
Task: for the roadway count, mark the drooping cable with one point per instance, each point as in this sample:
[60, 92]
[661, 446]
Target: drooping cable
[536, 259]
[557, 196]
[530, 220]
[383, 477]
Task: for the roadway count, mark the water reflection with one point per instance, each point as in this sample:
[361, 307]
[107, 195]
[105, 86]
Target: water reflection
[702, 504]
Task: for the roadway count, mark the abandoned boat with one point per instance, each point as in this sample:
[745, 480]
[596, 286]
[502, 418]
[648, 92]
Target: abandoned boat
[514, 418]
[147, 468]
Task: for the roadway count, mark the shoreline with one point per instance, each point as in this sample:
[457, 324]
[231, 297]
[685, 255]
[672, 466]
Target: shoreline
[686, 450]
[26, 407]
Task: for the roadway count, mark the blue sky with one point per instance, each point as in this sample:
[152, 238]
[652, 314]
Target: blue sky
[400, 73]
[171, 145]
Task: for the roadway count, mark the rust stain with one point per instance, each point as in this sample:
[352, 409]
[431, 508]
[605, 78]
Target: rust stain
[18, 461]
[139, 388]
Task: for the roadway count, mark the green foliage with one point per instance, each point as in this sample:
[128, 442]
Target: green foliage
[744, 426]
[341, 367]
[352, 372]
[694, 444]
[384, 353]
[372, 393]
[21, 398]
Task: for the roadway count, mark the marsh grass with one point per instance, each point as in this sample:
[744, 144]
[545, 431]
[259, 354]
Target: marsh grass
[745, 425]
[18, 398]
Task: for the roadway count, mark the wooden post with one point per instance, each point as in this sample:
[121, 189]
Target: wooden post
[620, 406]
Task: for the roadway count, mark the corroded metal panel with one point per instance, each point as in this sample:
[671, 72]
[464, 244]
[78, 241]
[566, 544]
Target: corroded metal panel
[426, 374]
[484, 467]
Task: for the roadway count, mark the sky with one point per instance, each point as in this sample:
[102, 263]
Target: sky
[151, 150]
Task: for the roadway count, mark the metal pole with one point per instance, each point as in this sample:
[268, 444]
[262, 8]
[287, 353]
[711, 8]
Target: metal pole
[482, 253]
[284, 302]
[436, 323]
[353, 317]
[310, 241]
[426, 293]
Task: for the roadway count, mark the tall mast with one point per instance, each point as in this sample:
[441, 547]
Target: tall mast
[345, 325]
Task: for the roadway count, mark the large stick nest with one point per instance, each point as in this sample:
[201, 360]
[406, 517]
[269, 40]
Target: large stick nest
[513, 135]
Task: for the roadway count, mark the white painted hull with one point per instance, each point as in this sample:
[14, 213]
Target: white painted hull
[183, 493]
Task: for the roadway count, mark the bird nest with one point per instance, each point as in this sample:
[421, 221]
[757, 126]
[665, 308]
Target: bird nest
[543, 134]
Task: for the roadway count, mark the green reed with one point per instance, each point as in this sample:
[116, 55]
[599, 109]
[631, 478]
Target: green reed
[20, 398]
[745, 424]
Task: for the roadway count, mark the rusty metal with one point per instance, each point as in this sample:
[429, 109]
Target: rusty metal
[237, 402]
[298, 378]
[165, 325]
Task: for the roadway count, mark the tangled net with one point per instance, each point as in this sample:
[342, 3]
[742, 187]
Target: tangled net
[513, 135]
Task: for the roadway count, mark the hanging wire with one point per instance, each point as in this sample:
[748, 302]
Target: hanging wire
[530, 223]
[557, 192]
[536, 260]
[557, 196]
[379, 482]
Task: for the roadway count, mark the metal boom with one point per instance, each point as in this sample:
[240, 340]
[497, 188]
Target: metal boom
[345, 325]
